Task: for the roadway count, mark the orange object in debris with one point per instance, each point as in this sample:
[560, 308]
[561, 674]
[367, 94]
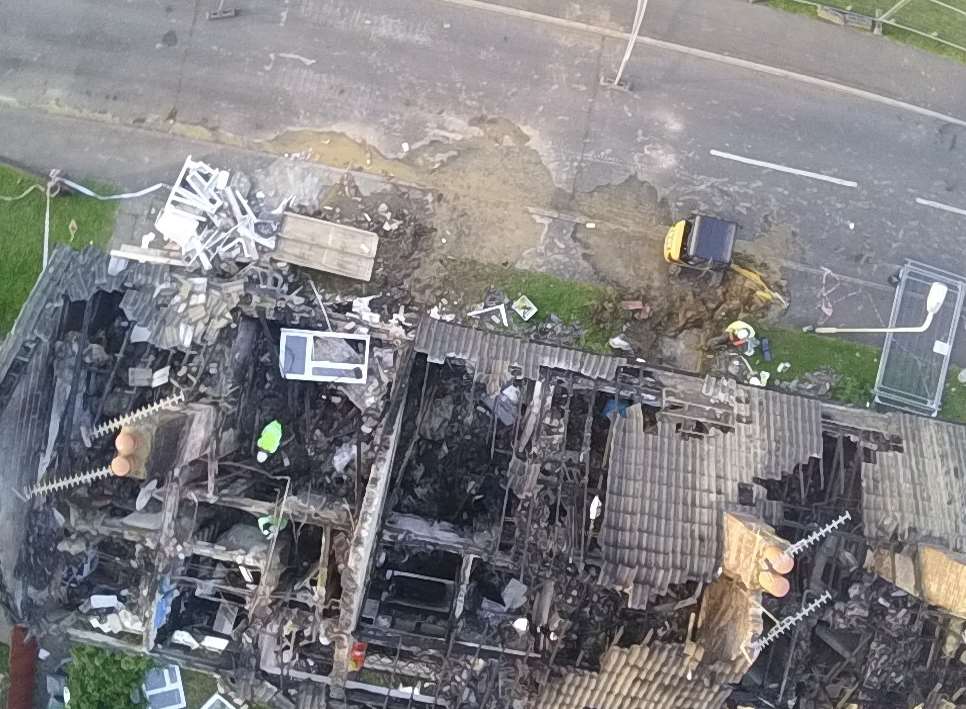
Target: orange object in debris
[778, 560]
[121, 466]
[775, 584]
[357, 656]
[126, 443]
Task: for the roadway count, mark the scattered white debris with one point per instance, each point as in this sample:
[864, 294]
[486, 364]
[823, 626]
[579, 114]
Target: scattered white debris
[360, 306]
[344, 454]
[521, 625]
[105, 601]
[437, 314]
[595, 507]
[298, 58]
[783, 367]
[495, 310]
[183, 637]
[591, 225]
[206, 219]
[514, 594]
[619, 342]
[760, 379]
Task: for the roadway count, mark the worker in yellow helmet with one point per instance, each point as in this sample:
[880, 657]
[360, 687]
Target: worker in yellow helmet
[739, 335]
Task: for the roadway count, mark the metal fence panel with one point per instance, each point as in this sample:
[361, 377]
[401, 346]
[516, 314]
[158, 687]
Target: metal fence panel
[913, 366]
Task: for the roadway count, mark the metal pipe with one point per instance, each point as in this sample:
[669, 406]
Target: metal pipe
[915, 328]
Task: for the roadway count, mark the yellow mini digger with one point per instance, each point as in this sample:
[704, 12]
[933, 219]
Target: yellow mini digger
[701, 243]
[706, 245]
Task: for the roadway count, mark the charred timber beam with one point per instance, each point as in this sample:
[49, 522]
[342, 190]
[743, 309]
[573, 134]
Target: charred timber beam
[294, 508]
[371, 513]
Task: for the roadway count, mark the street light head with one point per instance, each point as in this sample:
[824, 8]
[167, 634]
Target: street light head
[936, 297]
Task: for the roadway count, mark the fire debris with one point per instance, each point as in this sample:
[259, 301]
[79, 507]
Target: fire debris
[480, 521]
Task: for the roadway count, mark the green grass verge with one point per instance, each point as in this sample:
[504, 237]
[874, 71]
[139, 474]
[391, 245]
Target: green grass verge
[929, 17]
[863, 7]
[4, 658]
[921, 15]
[595, 308]
[855, 364]
[925, 43]
[799, 8]
[22, 234]
[198, 687]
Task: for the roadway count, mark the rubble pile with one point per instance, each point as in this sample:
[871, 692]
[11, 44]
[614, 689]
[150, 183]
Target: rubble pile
[891, 623]
[210, 220]
[302, 493]
[399, 217]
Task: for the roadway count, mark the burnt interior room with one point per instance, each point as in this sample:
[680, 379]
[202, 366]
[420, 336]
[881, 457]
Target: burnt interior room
[321, 426]
[454, 449]
[497, 455]
[873, 644]
[413, 591]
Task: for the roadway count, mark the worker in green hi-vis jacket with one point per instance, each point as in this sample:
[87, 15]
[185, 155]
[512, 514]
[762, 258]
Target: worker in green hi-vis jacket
[269, 441]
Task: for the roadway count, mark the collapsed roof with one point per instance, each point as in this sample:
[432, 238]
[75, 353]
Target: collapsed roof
[482, 507]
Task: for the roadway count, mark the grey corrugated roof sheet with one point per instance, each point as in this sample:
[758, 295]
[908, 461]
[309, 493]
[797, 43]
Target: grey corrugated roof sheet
[660, 523]
[919, 493]
[666, 492]
[659, 675]
[655, 676]
[439, 340]
[75, 275]
[783, 431]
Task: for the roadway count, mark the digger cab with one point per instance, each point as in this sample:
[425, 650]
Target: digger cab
[702, 242]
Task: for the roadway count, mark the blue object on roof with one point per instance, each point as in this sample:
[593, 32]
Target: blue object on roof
[618, 405]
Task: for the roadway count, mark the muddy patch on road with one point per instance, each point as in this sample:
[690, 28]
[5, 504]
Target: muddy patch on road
[495, 204]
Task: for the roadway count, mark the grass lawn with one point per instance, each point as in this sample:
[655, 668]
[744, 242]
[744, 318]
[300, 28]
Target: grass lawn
[922, 15]
[593, 306]
[930, 18]
[863, 7]
[198, 687]
[856, 364]
[4, 658]
[22, 234]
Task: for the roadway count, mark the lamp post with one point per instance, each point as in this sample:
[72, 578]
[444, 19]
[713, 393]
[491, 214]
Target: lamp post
[632, 40]
[934, 301]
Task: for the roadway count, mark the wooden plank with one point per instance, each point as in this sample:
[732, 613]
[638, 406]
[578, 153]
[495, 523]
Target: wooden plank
[338, 237]
[325, 246]
[322, 259]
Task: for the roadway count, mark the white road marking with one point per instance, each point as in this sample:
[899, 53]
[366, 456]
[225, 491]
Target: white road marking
[704, 54]
[784, 168]
[940, 205]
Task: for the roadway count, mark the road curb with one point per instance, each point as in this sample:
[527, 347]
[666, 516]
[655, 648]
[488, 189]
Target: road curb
[747, 64]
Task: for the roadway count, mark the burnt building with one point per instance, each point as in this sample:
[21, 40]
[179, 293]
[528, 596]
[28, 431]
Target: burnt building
[458, 517]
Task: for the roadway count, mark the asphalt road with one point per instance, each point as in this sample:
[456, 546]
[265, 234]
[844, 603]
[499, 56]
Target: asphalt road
[395, 71]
